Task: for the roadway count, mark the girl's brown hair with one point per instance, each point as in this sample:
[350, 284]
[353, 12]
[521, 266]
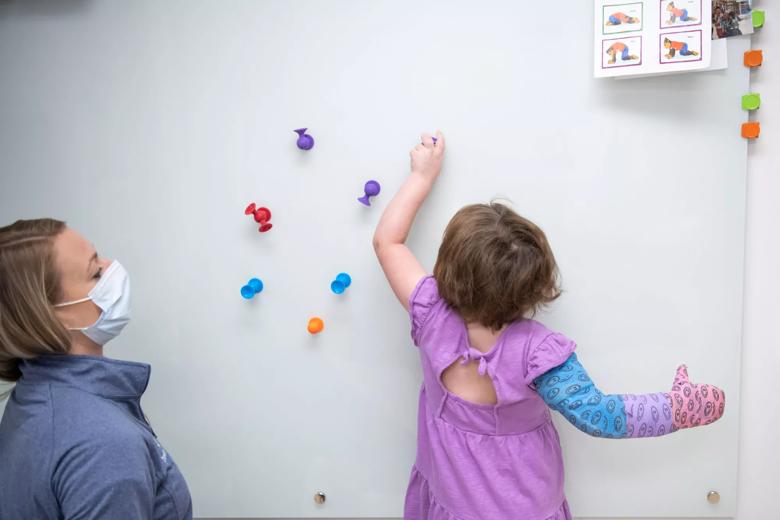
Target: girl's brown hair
[29, 285]
[495, 266]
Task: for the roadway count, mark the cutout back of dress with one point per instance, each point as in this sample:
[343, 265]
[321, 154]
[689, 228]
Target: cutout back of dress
[464, 379]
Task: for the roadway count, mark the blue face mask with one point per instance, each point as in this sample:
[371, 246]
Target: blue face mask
[112, 295]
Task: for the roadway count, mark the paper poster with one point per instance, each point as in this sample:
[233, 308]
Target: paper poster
[651, 37]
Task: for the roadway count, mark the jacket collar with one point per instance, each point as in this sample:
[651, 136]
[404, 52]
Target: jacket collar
[110, 378]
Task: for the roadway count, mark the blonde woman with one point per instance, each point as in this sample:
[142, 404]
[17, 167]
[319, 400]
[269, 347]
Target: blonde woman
[74, 442]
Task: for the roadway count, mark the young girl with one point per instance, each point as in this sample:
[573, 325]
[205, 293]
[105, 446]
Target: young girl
[487, 447]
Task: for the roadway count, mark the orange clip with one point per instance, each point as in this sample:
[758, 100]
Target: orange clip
[754, 58]
[751, 129]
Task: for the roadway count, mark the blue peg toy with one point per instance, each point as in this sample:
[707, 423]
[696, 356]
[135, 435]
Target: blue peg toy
[340, 284]
[253, 286]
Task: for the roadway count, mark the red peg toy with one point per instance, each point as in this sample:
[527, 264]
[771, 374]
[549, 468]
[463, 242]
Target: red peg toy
[261, 215]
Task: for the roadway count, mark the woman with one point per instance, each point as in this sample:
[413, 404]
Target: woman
[74, 442]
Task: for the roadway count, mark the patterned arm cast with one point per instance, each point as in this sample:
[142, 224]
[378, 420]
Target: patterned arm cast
[568, 389]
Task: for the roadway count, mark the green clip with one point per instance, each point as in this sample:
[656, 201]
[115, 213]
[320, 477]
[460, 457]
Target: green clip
[758, 18]
[751, 101]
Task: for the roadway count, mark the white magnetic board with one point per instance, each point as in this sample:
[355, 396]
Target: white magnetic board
[149, 126]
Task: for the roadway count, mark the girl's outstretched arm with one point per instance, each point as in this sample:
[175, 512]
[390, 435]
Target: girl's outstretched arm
[401, 268]
[568, 389]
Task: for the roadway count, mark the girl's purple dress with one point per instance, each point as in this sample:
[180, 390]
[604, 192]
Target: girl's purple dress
[476, 461]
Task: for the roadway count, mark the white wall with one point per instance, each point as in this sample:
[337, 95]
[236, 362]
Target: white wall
[760, 422]
[759, 457]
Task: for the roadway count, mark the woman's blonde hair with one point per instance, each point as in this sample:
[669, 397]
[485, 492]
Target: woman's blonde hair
[29, 286]
[495, 266]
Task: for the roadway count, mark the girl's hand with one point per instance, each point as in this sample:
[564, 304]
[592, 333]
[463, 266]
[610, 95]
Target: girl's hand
[695, 404]
[427, 156]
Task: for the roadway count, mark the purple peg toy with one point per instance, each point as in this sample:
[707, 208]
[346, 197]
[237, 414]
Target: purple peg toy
[372, 190]
[305, 141]
[434, 139]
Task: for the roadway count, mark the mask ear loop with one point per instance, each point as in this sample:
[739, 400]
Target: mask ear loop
[74, 302]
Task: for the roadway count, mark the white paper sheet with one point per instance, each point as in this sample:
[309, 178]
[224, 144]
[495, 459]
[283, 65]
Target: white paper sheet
[647, 37]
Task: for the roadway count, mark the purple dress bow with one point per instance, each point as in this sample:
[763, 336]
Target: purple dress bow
[472, 354]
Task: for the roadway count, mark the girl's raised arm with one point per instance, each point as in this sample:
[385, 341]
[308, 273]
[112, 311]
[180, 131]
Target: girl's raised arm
[401, 268]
